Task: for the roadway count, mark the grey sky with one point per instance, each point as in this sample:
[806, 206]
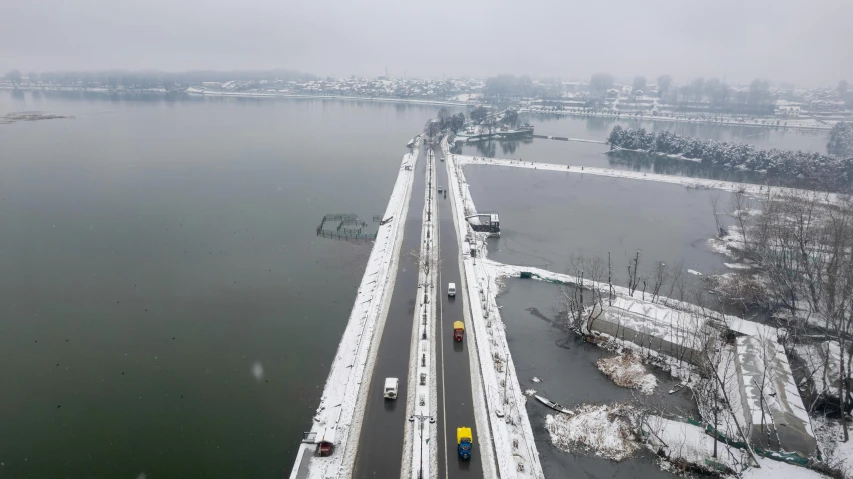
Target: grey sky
[806, 42]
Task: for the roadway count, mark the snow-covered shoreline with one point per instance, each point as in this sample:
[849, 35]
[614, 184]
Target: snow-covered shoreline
[340, 413]
[698, 183]
[794, 124]
[198, 92]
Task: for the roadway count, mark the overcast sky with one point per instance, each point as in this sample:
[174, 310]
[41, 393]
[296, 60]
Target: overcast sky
[803, 41]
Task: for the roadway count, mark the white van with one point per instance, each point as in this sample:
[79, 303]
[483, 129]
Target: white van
[391, 388]
[451, 289]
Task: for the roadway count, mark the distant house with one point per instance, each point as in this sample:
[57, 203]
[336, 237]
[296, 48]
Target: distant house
[788, 108]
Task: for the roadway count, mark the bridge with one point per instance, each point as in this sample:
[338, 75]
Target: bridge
[402, 327]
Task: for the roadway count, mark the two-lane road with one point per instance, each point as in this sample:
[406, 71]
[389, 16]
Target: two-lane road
[455, 404]
[380, 445]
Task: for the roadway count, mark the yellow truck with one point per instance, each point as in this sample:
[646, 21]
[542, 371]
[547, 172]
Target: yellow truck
[465, 441]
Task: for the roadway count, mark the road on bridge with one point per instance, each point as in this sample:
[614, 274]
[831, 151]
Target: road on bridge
[455, 406]
[380, 445]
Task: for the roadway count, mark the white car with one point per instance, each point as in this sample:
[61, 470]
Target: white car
[439, 189]
[451, 289]
[391, 385]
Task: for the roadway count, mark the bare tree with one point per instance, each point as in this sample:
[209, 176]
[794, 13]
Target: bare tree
[633, 280]
[583, 303]
[660, 280]
[427, 261]
[715, 199]
[739, 208]
[803, 245]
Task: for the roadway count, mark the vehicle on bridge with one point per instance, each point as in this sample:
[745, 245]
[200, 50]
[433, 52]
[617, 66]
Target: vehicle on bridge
[465, 440]
[458, 330]
[391, 385]
[451, 289]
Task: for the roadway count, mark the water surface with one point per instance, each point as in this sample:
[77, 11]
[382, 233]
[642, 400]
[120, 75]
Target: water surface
[165, 306]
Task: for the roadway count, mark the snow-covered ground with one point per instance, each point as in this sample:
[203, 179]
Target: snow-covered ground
[836, 454]
[688, 442]
[628, 371]
[500, 409]
[341, 410]
[698, 183]
[610, 431]
[603, 430]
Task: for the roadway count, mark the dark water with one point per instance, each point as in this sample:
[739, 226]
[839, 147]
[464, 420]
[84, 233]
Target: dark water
[566, 367]
[547, 216]
[151, 253]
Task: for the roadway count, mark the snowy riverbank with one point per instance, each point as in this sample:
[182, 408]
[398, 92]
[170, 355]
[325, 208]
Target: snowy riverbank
[789, 123]
[697, 183]
[214, 93]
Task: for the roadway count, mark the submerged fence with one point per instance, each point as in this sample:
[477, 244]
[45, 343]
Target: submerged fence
[348, 228]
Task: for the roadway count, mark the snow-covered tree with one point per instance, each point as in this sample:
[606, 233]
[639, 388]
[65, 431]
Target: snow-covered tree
[841, 139]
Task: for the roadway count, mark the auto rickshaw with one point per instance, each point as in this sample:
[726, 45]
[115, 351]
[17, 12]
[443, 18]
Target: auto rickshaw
[458, 330]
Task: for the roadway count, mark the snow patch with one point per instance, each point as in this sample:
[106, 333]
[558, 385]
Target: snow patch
[627, 370]
[602, 429]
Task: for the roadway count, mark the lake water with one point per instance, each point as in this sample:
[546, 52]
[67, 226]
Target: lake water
[165, 306]
[549, 216]
[599, 128]
[594, 154]
[568, 375]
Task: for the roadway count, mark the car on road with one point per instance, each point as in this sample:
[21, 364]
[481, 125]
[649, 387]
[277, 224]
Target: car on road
[439, 188]
[391, 385]
[451, 289]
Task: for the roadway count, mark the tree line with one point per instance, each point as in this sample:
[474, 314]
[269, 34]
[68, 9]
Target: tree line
[841, 139]
[783, 167]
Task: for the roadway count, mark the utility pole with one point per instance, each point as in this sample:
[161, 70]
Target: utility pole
[431, 421]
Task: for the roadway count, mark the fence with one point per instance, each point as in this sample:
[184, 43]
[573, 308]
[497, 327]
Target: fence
[346, 235]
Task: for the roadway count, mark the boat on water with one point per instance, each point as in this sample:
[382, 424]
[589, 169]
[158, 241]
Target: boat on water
[677, 387]
[552, 405]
